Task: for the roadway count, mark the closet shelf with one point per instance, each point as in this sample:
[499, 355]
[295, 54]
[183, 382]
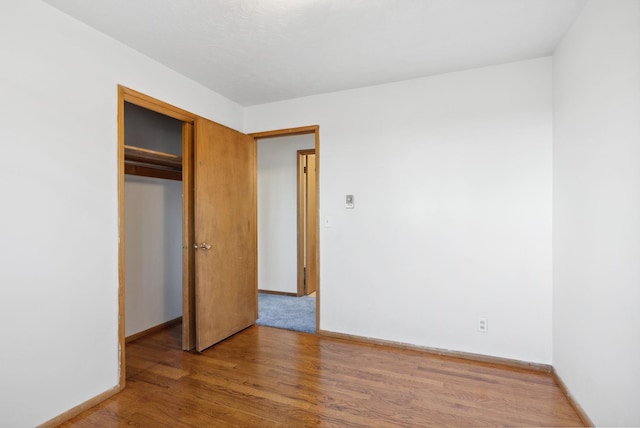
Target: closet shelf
[150, 163]
[152, 158]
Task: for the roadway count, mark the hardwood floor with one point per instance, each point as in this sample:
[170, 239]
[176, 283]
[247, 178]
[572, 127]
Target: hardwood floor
[265, 377]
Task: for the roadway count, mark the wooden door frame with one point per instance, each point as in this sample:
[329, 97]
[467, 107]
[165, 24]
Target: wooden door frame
[302, 208]
[288, 132]
[188, 296]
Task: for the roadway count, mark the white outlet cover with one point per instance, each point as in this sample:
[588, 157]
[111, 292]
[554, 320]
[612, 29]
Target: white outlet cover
[483, 325]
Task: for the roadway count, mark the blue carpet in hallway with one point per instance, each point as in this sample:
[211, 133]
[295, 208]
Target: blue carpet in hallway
[292, 313]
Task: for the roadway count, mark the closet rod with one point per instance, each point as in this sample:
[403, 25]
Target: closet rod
[152, 157]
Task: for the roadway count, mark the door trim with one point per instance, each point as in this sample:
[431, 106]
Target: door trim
[134, 97]
[302, 219]
[302, 130]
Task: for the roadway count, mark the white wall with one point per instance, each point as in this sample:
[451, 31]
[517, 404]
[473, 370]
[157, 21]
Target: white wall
[452, 221]
[153, 249]
[277, 211]
[596, 211]
[59, 228]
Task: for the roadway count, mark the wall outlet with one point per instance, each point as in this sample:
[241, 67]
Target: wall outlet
[483, 325]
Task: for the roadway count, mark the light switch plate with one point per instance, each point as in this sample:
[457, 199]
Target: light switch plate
[350, 202]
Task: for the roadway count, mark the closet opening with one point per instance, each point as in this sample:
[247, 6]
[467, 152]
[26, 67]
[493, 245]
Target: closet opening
[208, 248]
[153, 221]
[155, 200]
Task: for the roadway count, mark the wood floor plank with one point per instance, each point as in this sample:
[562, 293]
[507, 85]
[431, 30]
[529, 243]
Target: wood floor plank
[266, 377]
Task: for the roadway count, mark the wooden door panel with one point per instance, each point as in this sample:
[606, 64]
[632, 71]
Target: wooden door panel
[312, 225]
[188, 254]
[225, 223]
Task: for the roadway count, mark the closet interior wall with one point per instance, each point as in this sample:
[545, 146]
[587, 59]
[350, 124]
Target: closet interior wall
[153, 226]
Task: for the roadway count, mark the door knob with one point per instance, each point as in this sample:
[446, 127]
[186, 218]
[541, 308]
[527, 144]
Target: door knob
[205, 246]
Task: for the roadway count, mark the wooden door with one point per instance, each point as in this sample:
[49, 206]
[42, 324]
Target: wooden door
[226, 289]
[311, 226]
